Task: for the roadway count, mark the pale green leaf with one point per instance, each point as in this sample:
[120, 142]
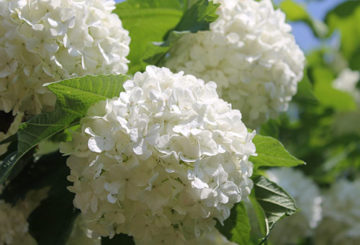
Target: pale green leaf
[74, 97]
[271, 153]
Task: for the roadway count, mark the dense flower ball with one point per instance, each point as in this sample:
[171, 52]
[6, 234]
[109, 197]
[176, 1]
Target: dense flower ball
[13, 219]
[308, 200]
[341, 223]
[43, 41]
[160, 162]
[251, 55]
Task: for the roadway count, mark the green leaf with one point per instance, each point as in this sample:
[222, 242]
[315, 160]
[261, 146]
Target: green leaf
[273, 200]
[151, 4]
[296, 12]
[35, 175]
[260, 215]
[122, 239]
[271, 153]
[147, 21]
[237, 227]
[329, 96]
[74, 97]
[197, 18]
[51, 222]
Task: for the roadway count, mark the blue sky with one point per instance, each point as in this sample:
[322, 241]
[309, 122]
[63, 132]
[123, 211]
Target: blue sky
[303, 35]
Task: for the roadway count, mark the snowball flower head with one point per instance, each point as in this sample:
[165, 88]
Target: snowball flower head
[308, 200]
[160, 162]
[43, 41]
[251, 55]
[341, 223]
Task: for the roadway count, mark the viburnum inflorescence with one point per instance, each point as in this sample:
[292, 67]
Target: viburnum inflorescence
[251, 55]
[162, 161]
[48, 40]
[308, 200]
[341, 223]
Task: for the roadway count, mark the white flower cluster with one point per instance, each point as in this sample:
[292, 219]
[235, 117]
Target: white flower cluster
[251, 55]
[341, 223]
[308, 200]
[43, 41]
[160, 162]
[13, 219]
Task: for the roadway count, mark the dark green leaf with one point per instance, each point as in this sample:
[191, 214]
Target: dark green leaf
[121, 239]
[6, 165]
[52, 221]
[9, 139]
[271, 153]
[354, 61]
[274, 201]
[197, 18]
[35, 175]
[237, 227]
[74, 97]
[260, 215]
[344, 9]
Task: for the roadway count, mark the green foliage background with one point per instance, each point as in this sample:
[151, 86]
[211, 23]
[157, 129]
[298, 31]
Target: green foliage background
[308, 131]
